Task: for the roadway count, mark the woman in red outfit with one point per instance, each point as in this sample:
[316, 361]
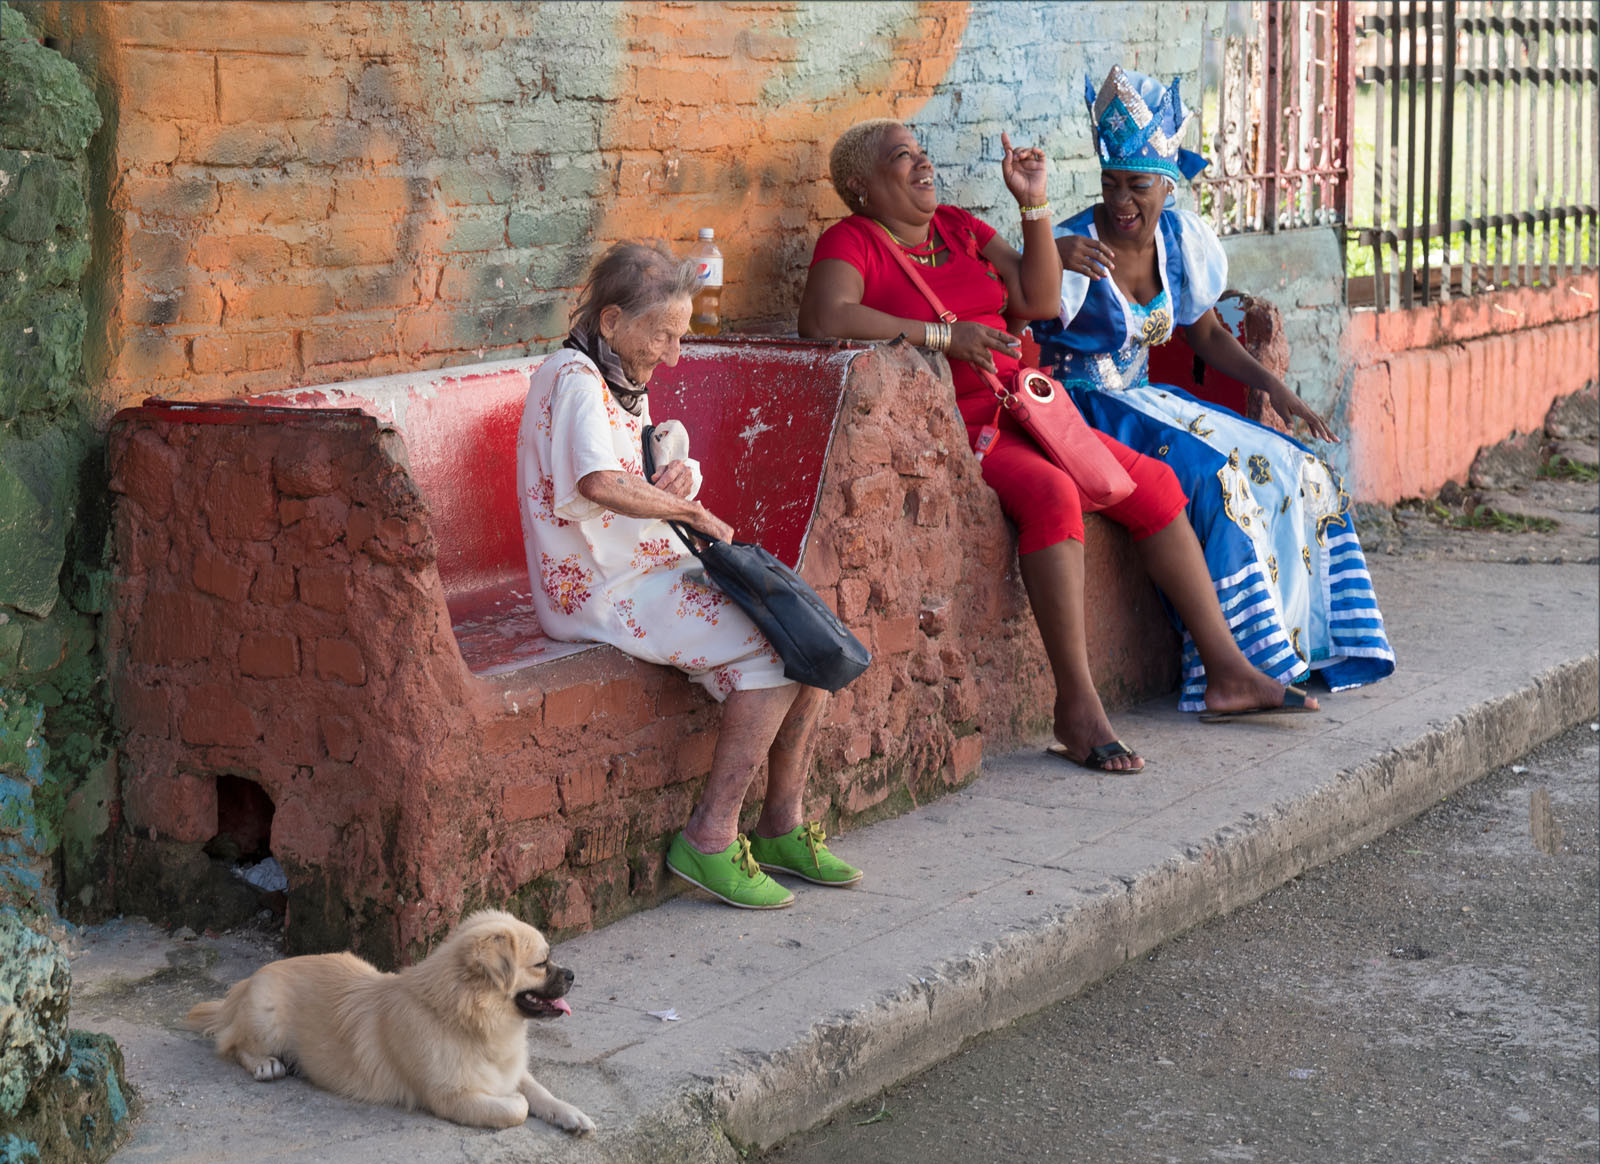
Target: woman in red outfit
[857, 290]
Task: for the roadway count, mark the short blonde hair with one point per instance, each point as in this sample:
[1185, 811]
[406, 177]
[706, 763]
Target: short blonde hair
[855, 154]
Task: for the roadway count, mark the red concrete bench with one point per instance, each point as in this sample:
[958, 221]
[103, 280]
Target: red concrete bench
[760, 411]
[320, 644]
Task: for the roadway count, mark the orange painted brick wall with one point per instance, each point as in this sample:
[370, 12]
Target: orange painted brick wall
[303, 193]
[1433, 385]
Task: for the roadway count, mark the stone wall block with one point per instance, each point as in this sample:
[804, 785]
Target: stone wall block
[582, 786]
[341, 737]
[304, 467]
[324, 587]
[269, 656]
[180, 806]
[174, 628]
[35, 981]
[143, 468]
[142, 708]
[530, 800]
[339, 660]
[878, 494]
[597, 841]
[211, 715]
[239, 504]
[219, 575]
[519, 861]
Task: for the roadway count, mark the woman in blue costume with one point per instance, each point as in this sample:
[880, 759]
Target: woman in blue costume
[1274, 520]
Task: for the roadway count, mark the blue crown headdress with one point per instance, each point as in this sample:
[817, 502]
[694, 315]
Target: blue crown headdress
[1137, 125]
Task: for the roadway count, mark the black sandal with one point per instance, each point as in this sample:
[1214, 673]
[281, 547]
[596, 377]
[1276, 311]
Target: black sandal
[1099, 756]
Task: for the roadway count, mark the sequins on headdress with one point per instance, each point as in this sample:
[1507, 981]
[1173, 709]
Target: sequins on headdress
[1131, 135]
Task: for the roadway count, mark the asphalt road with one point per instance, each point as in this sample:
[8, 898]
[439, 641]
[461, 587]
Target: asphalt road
[1430, 997]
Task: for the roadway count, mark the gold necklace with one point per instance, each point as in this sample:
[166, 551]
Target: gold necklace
[934, 244]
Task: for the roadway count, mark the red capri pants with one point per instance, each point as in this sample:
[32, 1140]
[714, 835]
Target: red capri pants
[1046, 505]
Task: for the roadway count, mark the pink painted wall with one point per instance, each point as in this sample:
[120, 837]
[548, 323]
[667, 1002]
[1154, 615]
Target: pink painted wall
[1433, 385]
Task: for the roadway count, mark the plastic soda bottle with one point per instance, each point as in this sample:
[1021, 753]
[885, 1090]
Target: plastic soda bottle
[706, 318]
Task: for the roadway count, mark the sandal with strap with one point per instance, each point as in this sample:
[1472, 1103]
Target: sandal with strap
[1294, 703]
[1099, 756]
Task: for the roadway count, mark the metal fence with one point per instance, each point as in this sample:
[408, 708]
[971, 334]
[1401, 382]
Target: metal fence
[1275, 116]
[1482, 118]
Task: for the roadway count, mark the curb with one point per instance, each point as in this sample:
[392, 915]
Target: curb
[845, 1061]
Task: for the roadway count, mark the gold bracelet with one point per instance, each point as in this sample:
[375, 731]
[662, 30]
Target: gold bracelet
[1029, 213]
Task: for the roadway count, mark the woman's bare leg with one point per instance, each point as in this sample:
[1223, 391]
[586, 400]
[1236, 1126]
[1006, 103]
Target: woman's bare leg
[789, 763]
[750, 721]
[1176, 563]
[1053, 578]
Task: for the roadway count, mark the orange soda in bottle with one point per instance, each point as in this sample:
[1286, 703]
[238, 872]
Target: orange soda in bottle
[706, 318]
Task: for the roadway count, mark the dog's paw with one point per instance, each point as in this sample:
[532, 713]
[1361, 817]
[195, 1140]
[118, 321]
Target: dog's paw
[268, 1070]
[570, 1119]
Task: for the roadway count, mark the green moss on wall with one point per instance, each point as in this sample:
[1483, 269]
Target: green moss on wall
[54, 736]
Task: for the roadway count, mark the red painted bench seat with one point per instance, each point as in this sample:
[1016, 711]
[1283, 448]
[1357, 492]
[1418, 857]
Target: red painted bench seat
[760, 414]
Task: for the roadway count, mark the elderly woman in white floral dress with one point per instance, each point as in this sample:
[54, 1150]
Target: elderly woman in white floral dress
[606, 567]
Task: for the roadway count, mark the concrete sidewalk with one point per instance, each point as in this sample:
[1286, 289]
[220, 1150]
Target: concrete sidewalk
[989, 904]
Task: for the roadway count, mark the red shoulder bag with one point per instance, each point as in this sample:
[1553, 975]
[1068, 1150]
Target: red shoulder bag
[1045, 411]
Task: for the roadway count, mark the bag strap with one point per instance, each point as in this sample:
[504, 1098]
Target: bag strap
[939, 308]
[677, 527]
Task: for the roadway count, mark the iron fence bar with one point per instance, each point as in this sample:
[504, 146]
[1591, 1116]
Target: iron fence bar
[1380, 168]
[1564, 242]
[1470, 99]
[1447, 113]
[1429, 159]
[1519, 184]
[1289, 116]
[1502, 96]
[1408, 275]
[1550, 52]
[1591, 106]
[1270, 114]
[1342, 78]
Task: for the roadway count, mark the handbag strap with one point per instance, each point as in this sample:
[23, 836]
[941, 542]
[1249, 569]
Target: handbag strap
[939, 308]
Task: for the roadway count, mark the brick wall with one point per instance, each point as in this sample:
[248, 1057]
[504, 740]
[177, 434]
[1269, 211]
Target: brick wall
[304, 193]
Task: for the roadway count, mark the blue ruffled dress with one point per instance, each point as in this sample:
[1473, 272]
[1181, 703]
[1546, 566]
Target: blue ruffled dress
[1273, 518]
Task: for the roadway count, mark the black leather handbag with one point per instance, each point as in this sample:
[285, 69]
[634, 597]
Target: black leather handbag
[816, 648]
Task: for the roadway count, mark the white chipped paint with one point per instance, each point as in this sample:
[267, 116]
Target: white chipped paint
[389, 397]
[752, 431]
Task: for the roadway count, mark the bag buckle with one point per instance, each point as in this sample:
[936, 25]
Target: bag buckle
[1036, 384]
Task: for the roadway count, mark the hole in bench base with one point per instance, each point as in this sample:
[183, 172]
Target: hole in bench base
[241, 850]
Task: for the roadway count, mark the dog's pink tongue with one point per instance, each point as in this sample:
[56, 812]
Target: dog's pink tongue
[561, 1005]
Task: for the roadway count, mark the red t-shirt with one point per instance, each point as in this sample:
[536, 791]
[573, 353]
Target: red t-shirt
[966, 284]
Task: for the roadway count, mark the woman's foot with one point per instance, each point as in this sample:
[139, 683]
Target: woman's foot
[1083, 735]
[1245, 689]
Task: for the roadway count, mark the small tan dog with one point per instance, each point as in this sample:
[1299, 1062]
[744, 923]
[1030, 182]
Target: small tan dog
[448, 1034]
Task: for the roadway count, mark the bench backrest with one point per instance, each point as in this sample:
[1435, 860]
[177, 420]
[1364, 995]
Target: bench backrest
[760, 414]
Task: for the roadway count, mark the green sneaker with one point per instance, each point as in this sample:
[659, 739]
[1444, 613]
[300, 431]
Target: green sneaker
[803, 854]
[731, 875]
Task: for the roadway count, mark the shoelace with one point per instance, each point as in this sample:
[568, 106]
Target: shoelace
[742, 860]
[813, 837]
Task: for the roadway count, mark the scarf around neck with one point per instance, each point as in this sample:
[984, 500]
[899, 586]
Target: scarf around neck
[628, 394]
